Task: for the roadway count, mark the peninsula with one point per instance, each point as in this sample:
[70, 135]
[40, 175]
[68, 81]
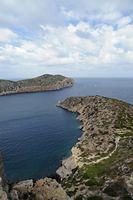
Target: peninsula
[42, 83]
[101, 164]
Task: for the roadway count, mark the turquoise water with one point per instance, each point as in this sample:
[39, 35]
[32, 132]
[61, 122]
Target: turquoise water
[35, 135]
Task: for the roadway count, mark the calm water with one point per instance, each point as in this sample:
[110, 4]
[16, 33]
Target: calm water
[35, 135]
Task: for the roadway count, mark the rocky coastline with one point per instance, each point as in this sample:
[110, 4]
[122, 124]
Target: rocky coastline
[101, 164]
[42, 83]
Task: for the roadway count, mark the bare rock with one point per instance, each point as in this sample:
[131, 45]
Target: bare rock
[67, 166]
[24, 186]
[48, 188]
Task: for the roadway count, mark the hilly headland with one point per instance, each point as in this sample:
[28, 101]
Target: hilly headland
[101, 164]
[42, 83]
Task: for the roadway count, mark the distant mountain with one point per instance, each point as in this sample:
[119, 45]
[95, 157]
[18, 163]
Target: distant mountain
[42, 83]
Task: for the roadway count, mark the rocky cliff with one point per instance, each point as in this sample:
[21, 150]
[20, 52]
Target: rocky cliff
[43, 189]
[42, 83]
[101, 165]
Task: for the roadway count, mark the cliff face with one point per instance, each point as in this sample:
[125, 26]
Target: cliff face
[41, 83]
[101, 165]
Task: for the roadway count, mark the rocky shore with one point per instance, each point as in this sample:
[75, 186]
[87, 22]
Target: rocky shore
[101, 164]
[42, 189]
[42, 83]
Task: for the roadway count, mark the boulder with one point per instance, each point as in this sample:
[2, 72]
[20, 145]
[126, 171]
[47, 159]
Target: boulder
[48, 188]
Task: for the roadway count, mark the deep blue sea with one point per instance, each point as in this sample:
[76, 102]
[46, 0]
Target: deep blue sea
[35, 135]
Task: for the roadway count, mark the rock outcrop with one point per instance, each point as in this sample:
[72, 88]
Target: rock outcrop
[49, 189]
[43, 189]
[103, 156]
[42, 83]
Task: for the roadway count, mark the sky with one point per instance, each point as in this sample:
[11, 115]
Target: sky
[76, 38]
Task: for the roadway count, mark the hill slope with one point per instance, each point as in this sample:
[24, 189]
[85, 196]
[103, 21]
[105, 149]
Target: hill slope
[42, 83]
[101, 165]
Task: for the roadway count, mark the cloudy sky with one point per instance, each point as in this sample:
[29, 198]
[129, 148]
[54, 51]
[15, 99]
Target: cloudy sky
[89, 38]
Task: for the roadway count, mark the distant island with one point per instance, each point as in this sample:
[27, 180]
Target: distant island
[42, 83]
[101, 164]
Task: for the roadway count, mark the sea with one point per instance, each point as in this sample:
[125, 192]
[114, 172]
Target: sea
[36, 135]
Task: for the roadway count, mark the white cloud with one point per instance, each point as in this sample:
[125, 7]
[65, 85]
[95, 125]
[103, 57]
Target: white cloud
[31, 13]
[6, 35]
[124, 21]
[62, 45]
[64, 35]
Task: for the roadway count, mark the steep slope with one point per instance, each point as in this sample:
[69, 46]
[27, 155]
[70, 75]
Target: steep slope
[42, 83]
[101, 165]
